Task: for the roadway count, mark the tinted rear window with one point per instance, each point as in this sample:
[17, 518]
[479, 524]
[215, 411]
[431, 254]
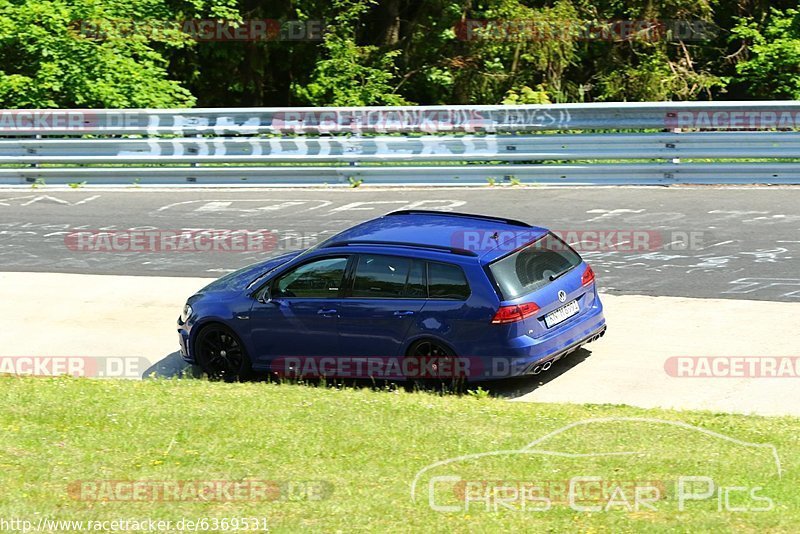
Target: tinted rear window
[381, 276]
[446, 282]
[533, 267]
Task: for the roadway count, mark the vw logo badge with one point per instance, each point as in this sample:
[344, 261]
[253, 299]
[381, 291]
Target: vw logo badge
[562, 296]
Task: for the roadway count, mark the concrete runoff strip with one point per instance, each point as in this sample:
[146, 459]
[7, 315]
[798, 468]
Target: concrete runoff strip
[627, 365]
[78, 315]
[46, 314]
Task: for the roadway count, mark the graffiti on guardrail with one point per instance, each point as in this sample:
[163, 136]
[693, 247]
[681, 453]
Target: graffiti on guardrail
[423, 120]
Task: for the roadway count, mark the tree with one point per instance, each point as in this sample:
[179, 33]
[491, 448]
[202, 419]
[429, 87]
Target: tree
[81, 53]
[350, 74]
[771, 64]
[137, 53]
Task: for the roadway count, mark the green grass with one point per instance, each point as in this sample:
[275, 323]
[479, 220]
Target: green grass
[365, 448]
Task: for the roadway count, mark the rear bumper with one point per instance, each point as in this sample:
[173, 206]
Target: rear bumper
[544, 363]
[532, 355]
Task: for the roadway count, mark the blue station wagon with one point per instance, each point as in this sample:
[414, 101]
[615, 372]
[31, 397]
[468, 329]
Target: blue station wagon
[413, 294]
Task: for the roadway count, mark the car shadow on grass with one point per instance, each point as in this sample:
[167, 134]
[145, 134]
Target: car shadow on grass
[508, 388]
[512, 388]
[172, 366]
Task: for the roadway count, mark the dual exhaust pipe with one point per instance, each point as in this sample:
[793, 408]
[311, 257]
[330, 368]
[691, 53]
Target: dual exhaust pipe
[546, 365]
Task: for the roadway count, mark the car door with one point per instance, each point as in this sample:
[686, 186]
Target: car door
[386, 296]
[301, 315]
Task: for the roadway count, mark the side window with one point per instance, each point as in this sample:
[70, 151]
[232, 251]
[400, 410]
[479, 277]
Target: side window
[380, 276]
[447, 282]
[317, 279]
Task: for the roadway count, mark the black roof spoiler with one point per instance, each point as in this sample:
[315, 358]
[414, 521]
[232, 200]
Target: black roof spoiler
[512, 222]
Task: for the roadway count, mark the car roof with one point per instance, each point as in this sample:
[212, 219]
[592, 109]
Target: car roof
[450, 233]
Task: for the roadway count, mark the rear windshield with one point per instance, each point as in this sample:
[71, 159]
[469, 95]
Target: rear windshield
[533, 267]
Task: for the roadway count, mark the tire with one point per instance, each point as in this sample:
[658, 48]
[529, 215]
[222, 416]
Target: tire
[221, 355]
[434, 356]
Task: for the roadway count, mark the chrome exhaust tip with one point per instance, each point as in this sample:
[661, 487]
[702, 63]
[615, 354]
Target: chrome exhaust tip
[546, 366]
[537, 369]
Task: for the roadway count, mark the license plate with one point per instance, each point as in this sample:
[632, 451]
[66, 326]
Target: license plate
[561, 314]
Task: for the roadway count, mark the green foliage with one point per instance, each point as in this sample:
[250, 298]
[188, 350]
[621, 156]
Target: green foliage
[773, 67]
[134, 53]
[656, 77]
[456, 59]
[526, 95]
[83, 53]
[366, 447]
[350, 74]
[479, 393]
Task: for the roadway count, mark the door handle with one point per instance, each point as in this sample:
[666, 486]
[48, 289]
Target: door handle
[324, 312]
[403, 313]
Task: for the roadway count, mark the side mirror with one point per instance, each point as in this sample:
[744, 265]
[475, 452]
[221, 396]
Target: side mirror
[265, 296]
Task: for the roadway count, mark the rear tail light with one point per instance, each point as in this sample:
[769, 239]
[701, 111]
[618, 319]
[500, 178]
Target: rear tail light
[514, 313]
[587, 277]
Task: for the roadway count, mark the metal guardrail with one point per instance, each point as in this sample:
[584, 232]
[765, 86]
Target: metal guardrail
[626, 143]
